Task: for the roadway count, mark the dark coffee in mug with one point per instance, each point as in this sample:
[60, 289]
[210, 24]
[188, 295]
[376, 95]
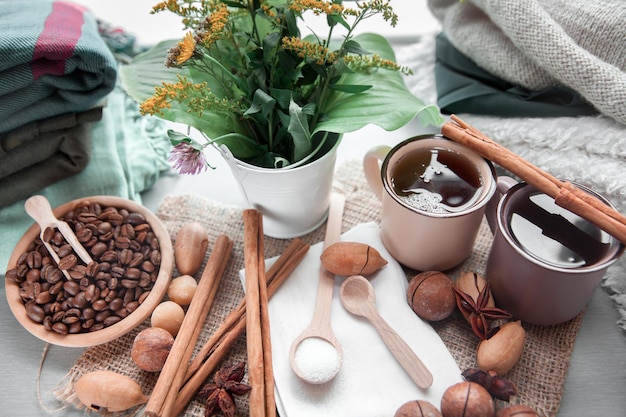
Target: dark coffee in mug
[554, 235]
[436, 180]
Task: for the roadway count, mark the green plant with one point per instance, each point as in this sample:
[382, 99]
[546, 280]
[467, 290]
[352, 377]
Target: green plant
[245, 78]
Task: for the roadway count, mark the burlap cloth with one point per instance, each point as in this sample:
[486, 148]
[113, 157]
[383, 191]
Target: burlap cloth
[539, 375]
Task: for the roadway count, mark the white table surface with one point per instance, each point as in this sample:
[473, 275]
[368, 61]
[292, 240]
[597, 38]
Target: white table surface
[596, 382]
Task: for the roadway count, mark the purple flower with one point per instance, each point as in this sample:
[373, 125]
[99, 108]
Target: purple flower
[187, 159]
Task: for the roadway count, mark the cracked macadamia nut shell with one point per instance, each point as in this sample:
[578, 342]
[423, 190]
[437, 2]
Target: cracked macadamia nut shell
[151, 348]
[417, 408]
[467, 399]
[431, 295]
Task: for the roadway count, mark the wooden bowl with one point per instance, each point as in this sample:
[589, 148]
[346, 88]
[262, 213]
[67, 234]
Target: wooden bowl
[113, 331]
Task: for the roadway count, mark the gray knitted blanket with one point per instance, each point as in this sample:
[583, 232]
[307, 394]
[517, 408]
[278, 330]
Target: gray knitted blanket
[536, 44]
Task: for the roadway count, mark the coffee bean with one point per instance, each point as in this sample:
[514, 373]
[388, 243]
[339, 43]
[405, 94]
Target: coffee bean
[34, 312]
[71, 287]
[125, 256]
[87, 217]
[60, 328]
[65, 250]
[133, 273]
[33, 275]
[43, 297]
[12, 275]
[33, 260]
[136, 218]
[111, 320]
[77, 272]
[101, 315]
[48, 233]
[68, 262]
[99, 248]
[92, 293]
[116, 304]
[75, 328]
[99, 305]
[104, 227]
[122, 242]
[84, 235]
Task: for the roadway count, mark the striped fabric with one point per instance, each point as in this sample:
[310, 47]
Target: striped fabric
[52, 61]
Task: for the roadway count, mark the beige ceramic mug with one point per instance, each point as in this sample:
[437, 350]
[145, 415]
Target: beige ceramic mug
[433, 192]
[545, 262]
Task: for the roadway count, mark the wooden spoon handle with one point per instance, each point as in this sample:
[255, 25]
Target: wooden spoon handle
[327, 279]
[38, 207]
[403, 353]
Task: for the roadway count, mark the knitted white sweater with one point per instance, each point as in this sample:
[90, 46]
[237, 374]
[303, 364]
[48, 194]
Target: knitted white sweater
[540, 43]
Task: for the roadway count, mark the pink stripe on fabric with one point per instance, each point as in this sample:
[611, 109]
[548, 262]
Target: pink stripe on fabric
[56, 43]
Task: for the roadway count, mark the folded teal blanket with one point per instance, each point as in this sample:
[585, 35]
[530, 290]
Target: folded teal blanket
[52, 61]
[128, 154]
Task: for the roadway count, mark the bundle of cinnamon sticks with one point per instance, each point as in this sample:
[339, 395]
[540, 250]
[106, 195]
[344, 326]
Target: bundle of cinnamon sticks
[565, 194]
[260, 370]
[183, 377]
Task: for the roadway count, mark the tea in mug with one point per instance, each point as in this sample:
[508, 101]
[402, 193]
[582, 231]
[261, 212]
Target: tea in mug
[554, 235]
[436, 180]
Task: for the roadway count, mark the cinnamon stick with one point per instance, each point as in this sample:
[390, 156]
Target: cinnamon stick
[171, 377]
[593, 201]
[218, 345]
[268, 368]
[257, 322]
[587, 207]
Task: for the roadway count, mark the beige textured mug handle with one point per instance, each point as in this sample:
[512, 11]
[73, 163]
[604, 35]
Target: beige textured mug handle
[504, 183]
[371, 166]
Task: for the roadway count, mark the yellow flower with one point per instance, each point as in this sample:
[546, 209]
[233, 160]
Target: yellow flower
[186, 48]
[308, 50]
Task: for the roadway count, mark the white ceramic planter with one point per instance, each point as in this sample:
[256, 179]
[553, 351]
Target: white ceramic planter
[293, 201]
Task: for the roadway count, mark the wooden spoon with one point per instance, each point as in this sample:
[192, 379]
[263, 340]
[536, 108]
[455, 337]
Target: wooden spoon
[357, 296]
[38, 207]
[320, 323]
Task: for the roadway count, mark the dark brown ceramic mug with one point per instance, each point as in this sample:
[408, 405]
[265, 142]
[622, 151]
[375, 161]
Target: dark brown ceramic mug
[545, 262]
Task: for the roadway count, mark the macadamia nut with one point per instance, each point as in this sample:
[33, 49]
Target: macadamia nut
[169, 316]
[431, 295]
[417, 408]
[150, 348]
[182, 289]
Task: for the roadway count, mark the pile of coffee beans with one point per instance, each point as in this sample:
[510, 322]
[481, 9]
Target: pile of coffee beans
[126, 259]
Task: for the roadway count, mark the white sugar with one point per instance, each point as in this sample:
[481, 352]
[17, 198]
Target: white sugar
[317, 360]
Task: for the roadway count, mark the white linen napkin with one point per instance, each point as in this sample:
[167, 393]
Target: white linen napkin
[371, 382]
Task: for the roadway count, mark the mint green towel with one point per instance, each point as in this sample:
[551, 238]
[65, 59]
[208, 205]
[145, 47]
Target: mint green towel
[52, 61]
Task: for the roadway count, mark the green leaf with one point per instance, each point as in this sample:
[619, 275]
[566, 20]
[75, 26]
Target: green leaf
[282, 96]
[388, 104]
[353, 47]
[299, 130]
[335, 18]
[147, 70]
[349, 88]
[178, 137]
[262, 102]
[241, 146]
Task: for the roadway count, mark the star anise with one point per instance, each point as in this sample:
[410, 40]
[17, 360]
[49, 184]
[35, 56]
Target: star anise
[478, 312]
[499, 387]
[219, 394]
